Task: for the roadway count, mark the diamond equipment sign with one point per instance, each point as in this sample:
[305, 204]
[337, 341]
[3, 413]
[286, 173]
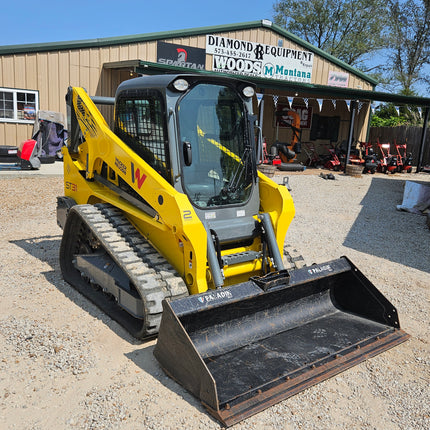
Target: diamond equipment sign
[240, 57]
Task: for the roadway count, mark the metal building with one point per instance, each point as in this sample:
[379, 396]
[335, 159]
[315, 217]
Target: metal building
[289, 73]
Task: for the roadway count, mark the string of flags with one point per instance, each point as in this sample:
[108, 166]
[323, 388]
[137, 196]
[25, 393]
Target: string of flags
[320, 103]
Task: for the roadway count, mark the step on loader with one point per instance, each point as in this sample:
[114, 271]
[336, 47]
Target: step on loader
[170, 229]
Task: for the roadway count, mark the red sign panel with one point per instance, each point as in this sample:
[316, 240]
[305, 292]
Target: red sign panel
[283, 120]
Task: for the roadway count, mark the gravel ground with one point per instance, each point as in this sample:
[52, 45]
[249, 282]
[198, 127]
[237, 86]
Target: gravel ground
[66, 365]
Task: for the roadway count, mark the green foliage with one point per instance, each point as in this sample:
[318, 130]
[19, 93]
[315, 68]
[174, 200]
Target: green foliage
[386, 116]
[360, 31]
[346, 29]
[410, 42]
[392, 121]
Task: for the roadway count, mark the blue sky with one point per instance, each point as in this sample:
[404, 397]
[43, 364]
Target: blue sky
[55, 21]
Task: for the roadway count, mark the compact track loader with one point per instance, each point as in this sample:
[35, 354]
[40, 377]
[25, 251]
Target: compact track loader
[170, 228]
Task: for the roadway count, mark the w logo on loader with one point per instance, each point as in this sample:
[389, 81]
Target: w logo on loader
[136, 175]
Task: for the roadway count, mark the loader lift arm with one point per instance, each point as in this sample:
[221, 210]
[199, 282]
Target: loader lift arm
[168, 214]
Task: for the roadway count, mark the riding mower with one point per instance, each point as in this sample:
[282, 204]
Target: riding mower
[404, 158]
[388, 162]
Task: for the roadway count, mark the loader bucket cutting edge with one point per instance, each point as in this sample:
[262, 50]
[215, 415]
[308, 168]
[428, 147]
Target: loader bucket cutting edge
[240, 349]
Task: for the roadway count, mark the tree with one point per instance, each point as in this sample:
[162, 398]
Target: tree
[386, 115]
[410, 43]
[349, 30]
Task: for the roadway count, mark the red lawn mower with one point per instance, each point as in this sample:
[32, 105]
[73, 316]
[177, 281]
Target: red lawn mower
[272, 157]
[354, 155]
[371, 161]
[404, 159]
[388, 162]
[332, 161]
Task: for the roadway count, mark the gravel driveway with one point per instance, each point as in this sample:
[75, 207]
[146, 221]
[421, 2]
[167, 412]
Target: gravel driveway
[65, 365]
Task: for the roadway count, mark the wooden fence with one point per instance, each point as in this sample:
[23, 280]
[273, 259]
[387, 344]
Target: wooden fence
[401, 134]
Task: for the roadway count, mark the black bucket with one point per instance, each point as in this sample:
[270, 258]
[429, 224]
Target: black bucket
[241, 349]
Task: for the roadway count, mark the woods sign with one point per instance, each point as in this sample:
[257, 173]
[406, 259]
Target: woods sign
[255, 59]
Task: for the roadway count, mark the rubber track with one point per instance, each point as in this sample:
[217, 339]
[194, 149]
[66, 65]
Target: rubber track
[151, 274]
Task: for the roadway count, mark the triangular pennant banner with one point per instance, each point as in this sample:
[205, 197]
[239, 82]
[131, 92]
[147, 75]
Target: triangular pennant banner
[397, 110]
[360, 105]
[259, 98]
[306, 102]
[334, 104]
[348, 104]
[290, 101]
[373, 108]
[320, 103]
[275, 100]
[420, 111]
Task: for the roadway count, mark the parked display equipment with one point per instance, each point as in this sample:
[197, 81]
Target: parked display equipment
[168, 215]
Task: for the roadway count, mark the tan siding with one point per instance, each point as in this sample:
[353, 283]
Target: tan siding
[43, 80]
[246, 35]
[141, 51]
[63, 79]
[84, 68]
[19, 71]
[114, 53]
[51, 73]
[31, 71]
[152, 51]
[133, 52]
[13, 134]
[104, 85]
[124, 53]
[74, 68]
[23, 132]
[353, 82]
[94, 70]
[364, 119]
[53, 79]
[8, 71]
[2, 134]
[322, 78]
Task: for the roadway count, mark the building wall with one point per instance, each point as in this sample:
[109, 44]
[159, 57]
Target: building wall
[272, 133]
[52, 72]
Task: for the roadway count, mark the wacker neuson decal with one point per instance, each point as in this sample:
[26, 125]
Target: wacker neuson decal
[242, 57]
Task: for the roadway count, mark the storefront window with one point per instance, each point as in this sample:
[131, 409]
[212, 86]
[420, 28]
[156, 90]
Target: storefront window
[325, 127]
[18, 105]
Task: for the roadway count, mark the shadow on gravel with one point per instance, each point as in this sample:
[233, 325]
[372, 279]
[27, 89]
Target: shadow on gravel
[145, 360]
[381, 230]
[46, 249]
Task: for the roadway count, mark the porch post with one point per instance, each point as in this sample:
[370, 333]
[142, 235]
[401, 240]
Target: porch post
[423, 140]
[351, 132]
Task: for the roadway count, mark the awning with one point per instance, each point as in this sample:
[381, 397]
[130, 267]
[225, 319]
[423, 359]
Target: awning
[302, 89]
[296, 88]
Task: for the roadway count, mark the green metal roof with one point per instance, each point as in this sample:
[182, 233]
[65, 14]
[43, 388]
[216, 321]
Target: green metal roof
[109, 41]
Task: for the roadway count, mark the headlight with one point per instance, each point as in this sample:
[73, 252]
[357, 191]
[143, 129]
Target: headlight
[248, 92]
[181, 84]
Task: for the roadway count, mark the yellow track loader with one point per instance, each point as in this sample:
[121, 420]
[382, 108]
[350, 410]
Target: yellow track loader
[170, 228]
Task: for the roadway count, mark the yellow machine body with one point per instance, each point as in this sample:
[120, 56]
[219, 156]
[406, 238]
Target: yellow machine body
[196, 258]
[176, 231]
